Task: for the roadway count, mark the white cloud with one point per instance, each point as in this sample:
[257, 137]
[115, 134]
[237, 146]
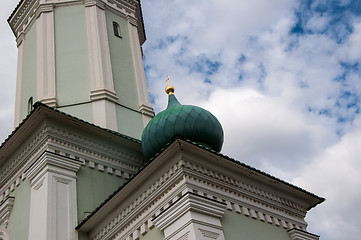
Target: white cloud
[335, 175]
[279, 96]
[267, 90]
[265, 132]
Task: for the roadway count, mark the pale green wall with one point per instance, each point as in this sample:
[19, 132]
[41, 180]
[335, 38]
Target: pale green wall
[236, 227]
[71, 56]
[83, 111]
[29, 71]
[130, 122]
[122, 62]
[18, 227]
[93, 187]
[154, 234]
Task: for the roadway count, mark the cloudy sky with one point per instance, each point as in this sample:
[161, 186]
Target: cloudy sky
[282, 76]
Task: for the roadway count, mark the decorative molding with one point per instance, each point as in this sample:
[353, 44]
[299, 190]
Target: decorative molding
[194, 214]
[147, 110]
[53, 184]
[297, 234]
[51, 162]
[4, 235]
[70, 145]
[245, 190]
[103, 94]
[189, 202]
[5, 210]
[244, 199]
[147, 113]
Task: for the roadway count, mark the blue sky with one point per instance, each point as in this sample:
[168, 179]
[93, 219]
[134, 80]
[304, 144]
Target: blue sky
[283, 77]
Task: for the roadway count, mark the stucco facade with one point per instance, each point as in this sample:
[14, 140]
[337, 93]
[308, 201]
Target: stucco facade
[69, 58]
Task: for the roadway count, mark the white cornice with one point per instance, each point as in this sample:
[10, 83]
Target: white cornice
[29, 10]
[174, 179]
[48, 130]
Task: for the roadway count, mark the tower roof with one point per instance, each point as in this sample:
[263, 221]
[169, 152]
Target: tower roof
[186, 121]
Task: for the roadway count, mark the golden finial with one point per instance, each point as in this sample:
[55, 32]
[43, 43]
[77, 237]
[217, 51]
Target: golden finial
[169, 89]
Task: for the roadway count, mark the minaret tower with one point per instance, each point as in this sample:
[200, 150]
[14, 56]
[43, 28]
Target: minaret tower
[84, 58]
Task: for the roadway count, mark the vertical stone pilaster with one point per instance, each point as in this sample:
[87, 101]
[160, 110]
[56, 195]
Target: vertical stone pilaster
[143, 98]
[53, 206]
[102, 86]
[19, 80]
[45, 56]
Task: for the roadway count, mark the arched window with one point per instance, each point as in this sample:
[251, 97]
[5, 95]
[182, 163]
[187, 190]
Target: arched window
[116, 29]
[30, 106]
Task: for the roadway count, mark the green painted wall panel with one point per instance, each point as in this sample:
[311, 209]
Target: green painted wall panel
[29, 71]
[153, 234]
[130, 122]
[122, 62]
[18, 228]
[93, 187]
[71, 55]
[83, 111]
[236, 226]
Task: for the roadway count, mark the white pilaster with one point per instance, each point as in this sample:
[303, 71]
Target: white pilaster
[99, 53]
[143, 98]
[45, 56]
[105, 113]
[53, 206]
[102, 86]
[19, 79]
[192, 217]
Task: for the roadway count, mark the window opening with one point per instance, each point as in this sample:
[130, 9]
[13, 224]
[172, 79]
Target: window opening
[30, 104]
[116, 29]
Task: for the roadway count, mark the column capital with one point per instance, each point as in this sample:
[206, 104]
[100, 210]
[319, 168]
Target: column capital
[51, 162]
[191, 217]
[297, 234]
[98, 3]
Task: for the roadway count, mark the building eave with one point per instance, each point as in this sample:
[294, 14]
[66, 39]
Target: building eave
[184, 147]
[42, 112]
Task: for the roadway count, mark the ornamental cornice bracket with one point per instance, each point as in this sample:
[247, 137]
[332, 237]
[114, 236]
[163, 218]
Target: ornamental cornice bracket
[103, 94]
[20, 38]
[99, 3]
[51, 162]
[146, 110]
[189, 202]
[297, 234]
[132, 20]
[5, 210]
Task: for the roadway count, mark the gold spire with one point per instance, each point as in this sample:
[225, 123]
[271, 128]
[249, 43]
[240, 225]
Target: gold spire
[169, 89]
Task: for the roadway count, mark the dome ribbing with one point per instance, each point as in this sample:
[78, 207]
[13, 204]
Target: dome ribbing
[187, 121]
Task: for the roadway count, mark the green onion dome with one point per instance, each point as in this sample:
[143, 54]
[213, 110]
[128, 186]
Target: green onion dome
[190, 122]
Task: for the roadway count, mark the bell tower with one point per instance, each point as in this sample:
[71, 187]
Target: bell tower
[84, 58]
